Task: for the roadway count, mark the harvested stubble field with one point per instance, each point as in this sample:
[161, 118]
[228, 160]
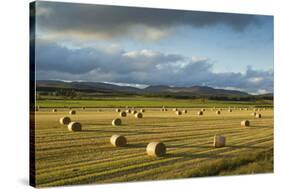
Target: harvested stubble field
[64, 157]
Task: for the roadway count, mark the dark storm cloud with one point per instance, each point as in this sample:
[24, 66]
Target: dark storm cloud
[141, 67]
[110, 21]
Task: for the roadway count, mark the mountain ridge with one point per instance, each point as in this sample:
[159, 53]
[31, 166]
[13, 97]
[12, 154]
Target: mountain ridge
[53, 85]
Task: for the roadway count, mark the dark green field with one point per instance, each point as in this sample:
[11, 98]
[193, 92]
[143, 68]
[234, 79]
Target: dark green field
[150, 102]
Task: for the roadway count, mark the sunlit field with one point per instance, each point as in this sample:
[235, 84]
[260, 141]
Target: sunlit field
[64, 157]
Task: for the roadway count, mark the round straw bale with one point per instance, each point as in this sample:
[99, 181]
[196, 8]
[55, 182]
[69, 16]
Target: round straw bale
[83, 108]
[134, 112]
[175, 109]
[218, 112]
[258, 116]
[200, 113]
[156, 149]
[116, 122]
[65, 120]
[245, 123]
[54, 110]
[72, 112]
[219, 141]
[230, 110]
[138, 115]
[178, 112]
[142, 110]
[128, 111]
[185, 111]
[74, 126]
[118, 140]
[123, 114]
[254, 114]
[118, 110]
[203, 110]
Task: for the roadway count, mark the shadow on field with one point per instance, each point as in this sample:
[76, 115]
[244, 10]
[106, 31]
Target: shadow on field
[259, 127]
[118, 131]
[211, 147]
[244, 146]
[104, 131]
[149, 125]
[140, 145]
[194, 155]
[189, 146]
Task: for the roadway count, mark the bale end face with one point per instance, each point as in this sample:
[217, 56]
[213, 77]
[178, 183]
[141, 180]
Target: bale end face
[128, 111]
[65, 120]
[254, 114]
[200, 113]
[74, 126]
[117, 122]
[258, 116]
[245, 123]
[142, 110]
[72, 112]
[185, 111]
[203, 110]
[123, 114]
[138, 115]
[178, 112]
[118, 140]
[218, 112]
[134, 112]
[156, 149]
[230, 110]
[54, 110]
[118, 110]
[219, 141]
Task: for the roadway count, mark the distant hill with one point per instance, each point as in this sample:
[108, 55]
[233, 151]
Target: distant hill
[50, 85]
[195, 90]
[157, 90]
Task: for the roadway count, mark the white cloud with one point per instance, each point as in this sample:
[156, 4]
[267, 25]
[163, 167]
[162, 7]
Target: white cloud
[198, 59]
[255, 80]
[141, 53]
[145, 33]
[145, 67]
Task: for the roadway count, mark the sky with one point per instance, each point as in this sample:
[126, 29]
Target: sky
[143, 46]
